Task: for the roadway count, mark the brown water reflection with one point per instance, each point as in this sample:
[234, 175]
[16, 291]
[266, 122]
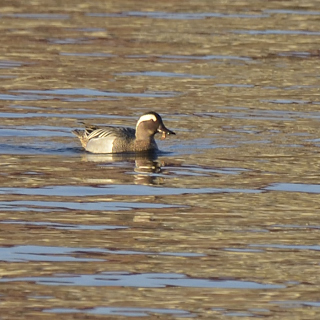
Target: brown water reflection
[223, 223]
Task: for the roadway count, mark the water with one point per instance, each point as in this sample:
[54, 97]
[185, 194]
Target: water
[222, 223]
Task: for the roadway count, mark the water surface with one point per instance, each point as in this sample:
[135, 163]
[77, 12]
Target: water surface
[222, 223]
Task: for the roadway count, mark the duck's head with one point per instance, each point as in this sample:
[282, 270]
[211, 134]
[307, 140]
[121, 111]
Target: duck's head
[149, 124]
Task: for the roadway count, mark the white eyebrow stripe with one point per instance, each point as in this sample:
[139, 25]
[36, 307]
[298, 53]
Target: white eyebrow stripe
[147, 117]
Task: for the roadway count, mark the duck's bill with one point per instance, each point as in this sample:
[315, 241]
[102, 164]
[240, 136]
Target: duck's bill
[162, 129]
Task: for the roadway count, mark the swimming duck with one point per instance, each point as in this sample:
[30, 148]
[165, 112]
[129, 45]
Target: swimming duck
[121, 139]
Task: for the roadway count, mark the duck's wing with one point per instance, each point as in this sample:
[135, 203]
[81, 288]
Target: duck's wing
[96, 132]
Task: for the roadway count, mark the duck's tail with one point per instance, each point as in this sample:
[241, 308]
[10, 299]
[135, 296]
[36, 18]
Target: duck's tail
[81, 135]
[78, 133]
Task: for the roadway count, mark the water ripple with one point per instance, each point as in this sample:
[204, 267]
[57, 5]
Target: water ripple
[127, 190]
[144, 280]
[177, 15]
[123, 311]
[47, 253]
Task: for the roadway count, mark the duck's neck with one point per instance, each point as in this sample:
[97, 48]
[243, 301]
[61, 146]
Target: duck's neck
[143, 137]
[143, 132]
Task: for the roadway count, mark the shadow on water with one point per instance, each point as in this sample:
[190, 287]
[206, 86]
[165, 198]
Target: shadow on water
[147, 169]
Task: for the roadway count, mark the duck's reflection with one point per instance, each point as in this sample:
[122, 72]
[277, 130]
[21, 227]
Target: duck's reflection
[146, 165]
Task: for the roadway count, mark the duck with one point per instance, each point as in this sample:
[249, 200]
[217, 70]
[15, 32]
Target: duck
[109, 139]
